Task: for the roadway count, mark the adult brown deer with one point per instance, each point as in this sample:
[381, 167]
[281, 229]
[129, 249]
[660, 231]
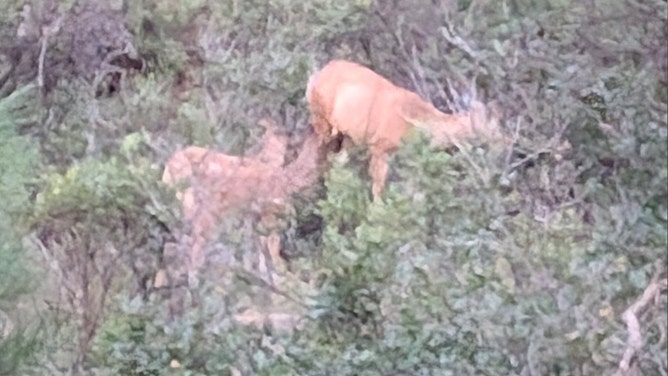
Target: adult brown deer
[350, 99]
[210, 185]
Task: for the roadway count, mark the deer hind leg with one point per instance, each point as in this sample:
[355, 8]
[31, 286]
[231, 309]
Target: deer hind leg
[378, 168]
[274, 248]
[322, 127]
[270, 266]
[263, 266]
[272, 244]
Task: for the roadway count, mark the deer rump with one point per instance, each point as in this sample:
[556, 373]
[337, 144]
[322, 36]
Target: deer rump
[350, 99]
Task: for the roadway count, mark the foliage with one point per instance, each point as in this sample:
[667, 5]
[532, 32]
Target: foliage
[470, 286]
[101, 227]
[17, 164]
[479, 261]
[141, 339]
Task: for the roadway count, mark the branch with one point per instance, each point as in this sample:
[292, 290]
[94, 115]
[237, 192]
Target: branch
[47, 32]
[630, 317]
[451, 36]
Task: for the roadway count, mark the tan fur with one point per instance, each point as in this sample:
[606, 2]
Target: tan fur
[348, 98]
[210, 184]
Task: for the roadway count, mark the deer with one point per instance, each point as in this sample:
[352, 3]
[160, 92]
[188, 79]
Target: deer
[349, 99]
[210, 185]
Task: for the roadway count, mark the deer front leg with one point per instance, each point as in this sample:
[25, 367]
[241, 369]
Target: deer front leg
[378, 168]
[202, 220]
[202, 226]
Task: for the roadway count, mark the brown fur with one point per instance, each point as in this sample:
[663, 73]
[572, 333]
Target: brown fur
[211, 184]
[350, 99]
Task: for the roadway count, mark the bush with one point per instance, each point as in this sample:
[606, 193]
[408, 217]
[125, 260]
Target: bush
[102, 227]
[534, 260]
[18, 336]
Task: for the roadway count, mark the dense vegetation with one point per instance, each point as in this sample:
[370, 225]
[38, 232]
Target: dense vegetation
[547, 259]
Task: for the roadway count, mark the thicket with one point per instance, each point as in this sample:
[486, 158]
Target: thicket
[546, 259]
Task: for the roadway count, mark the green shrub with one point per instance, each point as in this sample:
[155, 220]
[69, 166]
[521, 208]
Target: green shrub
[473, 263]
[19, 161]
[444, 277]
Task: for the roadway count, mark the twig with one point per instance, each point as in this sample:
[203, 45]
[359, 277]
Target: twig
[509, 153]
[450, 35]
[418, 68]
[630, 317]
[545, 148]
[47, 31]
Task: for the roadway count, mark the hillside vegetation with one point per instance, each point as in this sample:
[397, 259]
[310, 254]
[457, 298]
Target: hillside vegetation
[545, 258]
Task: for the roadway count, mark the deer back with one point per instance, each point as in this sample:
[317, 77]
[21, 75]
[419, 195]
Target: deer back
[345, 97]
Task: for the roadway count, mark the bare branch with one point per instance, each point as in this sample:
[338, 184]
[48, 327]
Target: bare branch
[47, 32]
[630, 317]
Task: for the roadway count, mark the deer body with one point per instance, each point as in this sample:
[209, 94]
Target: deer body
[217, 184]
[348, 98]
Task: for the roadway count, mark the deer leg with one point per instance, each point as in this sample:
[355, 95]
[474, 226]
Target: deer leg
[320, 126]
[325, 131]
[378, 168]
[274, 247]
[200, 235]
[266, 265]
[272, 243]
[202, 225]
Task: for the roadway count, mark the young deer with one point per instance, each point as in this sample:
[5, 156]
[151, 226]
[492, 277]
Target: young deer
[217, 184]
[350, 99]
